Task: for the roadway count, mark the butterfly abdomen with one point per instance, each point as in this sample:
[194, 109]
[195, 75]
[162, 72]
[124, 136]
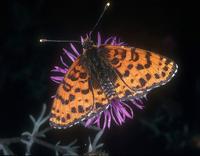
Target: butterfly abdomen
[108, 87]
[101, 72]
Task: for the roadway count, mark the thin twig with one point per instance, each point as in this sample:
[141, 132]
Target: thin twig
[8, 141]
[48, 145]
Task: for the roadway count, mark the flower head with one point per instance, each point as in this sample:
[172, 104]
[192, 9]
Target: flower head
[117, 111]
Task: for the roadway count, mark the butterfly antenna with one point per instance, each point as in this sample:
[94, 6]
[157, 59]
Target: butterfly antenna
[58, 41]
[100, 17]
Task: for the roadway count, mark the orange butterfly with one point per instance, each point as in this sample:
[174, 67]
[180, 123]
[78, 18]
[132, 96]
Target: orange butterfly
[103, 74]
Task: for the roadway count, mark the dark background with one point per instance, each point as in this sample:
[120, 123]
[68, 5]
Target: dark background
[170, 121]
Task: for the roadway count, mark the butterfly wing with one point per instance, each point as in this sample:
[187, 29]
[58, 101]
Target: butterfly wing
[138, 70]
[76, 98]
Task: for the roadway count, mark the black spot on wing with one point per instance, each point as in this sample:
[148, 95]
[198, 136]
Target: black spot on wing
[85, 91]
[77, 90]
[126, 74]
[139, 67]
[156, 76]
[80, 109]
[59, 97]
[99, 92]
[163, 74]
[148, 76]
[66, 102]
[123, 54]
[66, 86]
[115, 61]
[165, 68]
[130, 66]
[71, 97]
[63, 119]
[68, 116]
[148, 64]
[132, 80]
[134, 55]
[73, 110]
[142, 82]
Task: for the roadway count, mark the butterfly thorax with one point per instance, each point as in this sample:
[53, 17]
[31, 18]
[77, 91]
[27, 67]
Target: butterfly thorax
[101, 73]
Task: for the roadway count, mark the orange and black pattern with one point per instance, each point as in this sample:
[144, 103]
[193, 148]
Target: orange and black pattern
[139, 70]
[103, 74]
[73, 100]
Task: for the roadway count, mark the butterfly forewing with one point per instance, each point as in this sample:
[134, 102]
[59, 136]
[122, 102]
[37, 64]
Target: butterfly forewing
[139, 70]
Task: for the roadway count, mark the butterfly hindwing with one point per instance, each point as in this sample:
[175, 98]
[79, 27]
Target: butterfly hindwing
[139, 70]
[100, 98]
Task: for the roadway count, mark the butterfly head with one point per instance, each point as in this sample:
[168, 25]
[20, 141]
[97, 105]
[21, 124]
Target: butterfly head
[87, 43]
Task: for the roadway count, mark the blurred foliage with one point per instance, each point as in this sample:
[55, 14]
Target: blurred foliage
[39, 133]
[168, 126]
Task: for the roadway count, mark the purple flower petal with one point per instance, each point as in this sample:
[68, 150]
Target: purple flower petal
[58, 69]
[90, 33]
[74, 49]
[58, 82]
[118, 114]
[82, 40]
[113, 41]
[120, 43]
[109, 118]
[125, 112]
[61, 59]
[53, 96]
[137, 103]
[70, 55]
[121, 111]
[97, 121]
[57, 78]
[108, 40]
[105, 121]
[98, 40]
[113, 117]
[89, 122]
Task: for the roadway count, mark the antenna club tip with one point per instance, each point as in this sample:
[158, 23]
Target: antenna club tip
[108, 4]
[42, 40]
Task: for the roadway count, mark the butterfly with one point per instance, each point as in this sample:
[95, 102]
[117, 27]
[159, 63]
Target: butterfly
[105, 73]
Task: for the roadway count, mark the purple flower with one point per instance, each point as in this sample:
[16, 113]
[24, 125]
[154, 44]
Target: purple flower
[117, 111]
